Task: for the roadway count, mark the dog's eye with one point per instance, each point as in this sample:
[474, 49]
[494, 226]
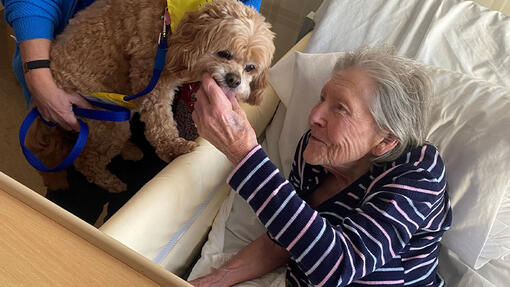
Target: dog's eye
[225, 54]
[249, 68]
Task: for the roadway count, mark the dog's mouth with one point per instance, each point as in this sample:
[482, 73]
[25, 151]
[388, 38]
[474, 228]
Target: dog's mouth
[229, 92]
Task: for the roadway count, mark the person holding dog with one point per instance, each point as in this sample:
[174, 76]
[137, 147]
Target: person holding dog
[35, 25]
[366, 201]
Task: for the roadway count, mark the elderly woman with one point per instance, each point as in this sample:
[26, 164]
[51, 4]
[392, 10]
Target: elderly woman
[366, 202]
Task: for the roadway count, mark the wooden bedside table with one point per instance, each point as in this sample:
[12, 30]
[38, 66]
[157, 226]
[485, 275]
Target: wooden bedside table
[44, 245]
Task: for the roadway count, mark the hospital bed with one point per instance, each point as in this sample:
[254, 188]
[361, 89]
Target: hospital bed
[467, 49]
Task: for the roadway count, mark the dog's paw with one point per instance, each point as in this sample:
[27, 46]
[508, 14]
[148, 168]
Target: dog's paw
[118, 187]
[185, 146]
[131, 152]
[110, 182]
[165, 156]
[55, 180]
[176, 148]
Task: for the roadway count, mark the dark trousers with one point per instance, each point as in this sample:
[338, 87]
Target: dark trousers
[86, 200]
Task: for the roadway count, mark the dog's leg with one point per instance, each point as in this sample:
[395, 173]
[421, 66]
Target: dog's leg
[50, 145]
[160, 126]
[99, 152]
[131, 152]
[55, 180]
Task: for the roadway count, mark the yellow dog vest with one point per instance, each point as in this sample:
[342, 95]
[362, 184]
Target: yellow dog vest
[178, 8]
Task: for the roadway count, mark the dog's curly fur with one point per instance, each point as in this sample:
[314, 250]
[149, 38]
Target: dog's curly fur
[111, 46]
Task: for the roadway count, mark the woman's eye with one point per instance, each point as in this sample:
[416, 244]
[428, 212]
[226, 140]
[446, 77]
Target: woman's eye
[224, 54]
[249, 68]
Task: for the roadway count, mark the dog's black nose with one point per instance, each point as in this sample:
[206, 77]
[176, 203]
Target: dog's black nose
[233, 80]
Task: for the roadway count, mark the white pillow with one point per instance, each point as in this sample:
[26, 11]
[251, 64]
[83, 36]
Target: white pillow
[453, 34]
[469, 124]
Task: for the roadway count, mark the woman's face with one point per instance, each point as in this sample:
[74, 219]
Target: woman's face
[342, 127]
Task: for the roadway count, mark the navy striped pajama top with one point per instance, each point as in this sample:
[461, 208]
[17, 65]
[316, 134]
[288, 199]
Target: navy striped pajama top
[382, 230]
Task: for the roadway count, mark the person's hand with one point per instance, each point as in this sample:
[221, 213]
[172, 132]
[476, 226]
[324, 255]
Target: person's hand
[221, 121]
[54, 104]
[215, 279]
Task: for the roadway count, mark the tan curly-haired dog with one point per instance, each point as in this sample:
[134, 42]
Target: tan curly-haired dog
[111, 46]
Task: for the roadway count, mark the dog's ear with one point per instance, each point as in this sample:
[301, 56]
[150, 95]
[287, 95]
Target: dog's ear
[191, 39]
[257, 86]
[198, 31]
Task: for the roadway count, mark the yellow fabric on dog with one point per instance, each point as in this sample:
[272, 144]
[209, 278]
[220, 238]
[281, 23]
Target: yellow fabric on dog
[178, 8]
[111, 98]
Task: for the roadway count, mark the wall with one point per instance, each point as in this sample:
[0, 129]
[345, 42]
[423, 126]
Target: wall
[7, 44]
[499, 5]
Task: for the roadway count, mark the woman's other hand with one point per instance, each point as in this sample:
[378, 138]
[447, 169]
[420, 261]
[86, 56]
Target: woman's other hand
[54, 104]
[259, 257]
[221, 121]
[215, 279]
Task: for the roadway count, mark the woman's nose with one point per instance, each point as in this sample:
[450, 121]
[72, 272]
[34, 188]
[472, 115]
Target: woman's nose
[317, 116]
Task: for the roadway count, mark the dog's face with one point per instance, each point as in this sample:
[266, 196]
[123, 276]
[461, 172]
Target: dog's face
[230, 41]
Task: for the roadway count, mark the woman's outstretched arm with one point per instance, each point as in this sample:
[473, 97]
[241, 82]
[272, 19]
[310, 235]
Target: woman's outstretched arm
[258, 258]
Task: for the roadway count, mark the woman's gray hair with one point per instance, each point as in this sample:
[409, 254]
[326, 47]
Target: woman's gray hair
[401, 96]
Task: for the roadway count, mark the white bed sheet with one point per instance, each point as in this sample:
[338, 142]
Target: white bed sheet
[496, 273]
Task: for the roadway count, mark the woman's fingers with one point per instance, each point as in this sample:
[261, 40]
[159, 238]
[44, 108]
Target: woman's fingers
[64, 113]
[57, 108]
[70, 122]
[235, 104]
[215, 94]
[80, 101]
[199, 106]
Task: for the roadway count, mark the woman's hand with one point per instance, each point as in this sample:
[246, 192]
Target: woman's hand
[221, 121]
[256, 259]
[215, 279]
[54, 104]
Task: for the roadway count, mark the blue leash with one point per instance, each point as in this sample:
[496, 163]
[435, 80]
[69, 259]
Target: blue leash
[112, 113]
[116, 113]
[159, 64]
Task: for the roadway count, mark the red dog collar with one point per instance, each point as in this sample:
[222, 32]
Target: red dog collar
[187, 94]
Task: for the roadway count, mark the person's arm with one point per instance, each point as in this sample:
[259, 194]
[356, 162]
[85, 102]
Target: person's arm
[256, 259]
[33, 23]
[54, 104]
[328, 255]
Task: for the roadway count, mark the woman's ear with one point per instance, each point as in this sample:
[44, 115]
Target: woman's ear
[257, 87]
[385, 145]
